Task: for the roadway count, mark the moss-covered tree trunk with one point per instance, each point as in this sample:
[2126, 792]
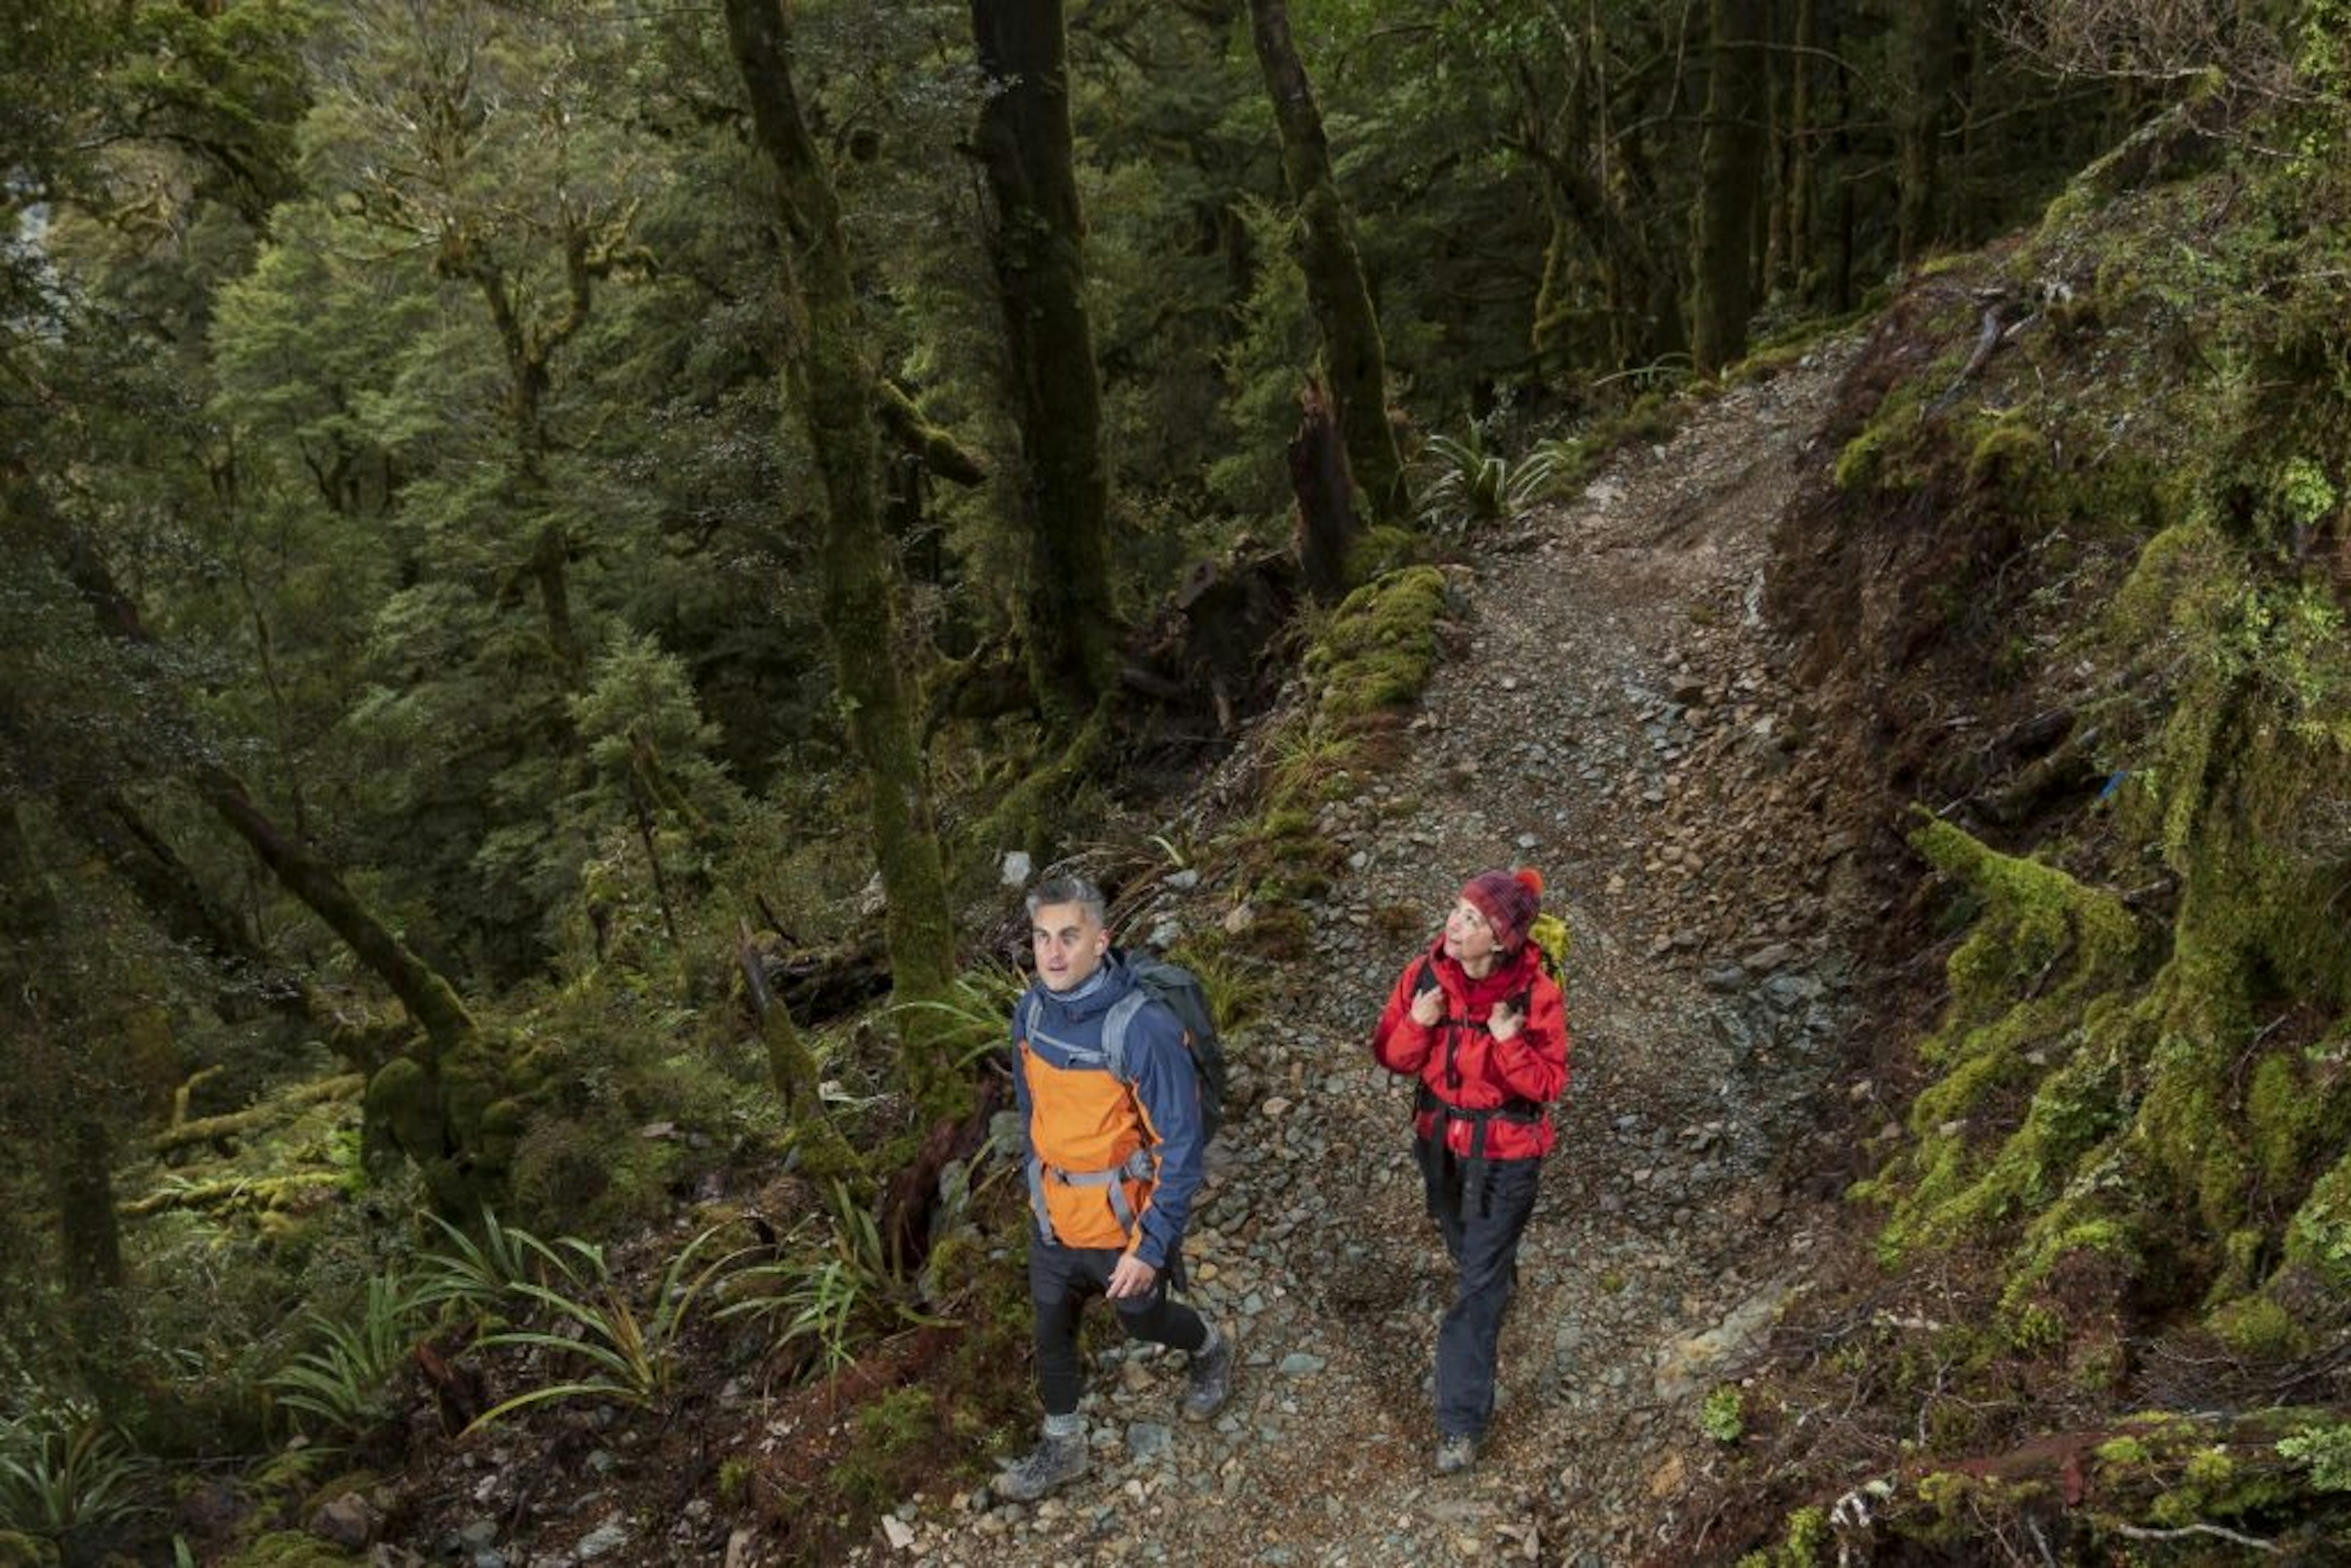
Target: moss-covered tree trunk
[438, 1102]
[430, 998]
[825, 1151]
[1731, 174]
[835, 391]
[183, 909]
[1929, 57]
[442, 1103]
[1328, 527]
[1354, 356]
[1063, 496]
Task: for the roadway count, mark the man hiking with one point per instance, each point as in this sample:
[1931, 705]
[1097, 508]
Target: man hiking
[1481, 1028]
[1113, 1160]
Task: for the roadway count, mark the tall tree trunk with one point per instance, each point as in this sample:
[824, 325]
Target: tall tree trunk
[1063, 497]
[1354, 357]
[59, 1100]
[1928, 54]
[1653, 282]
[429, 998]
[1800, 197]
[836, 394]
[1837, 287]
[1327, 525]
[529, 348]
[1730, 171]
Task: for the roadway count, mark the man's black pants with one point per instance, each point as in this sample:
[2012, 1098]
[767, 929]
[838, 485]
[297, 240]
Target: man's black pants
[1061, 1280]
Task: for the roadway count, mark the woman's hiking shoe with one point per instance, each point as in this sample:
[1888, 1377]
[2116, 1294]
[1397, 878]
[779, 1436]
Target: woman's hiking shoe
[1211, 1379]
[1455, 1452]
[1052, 1464]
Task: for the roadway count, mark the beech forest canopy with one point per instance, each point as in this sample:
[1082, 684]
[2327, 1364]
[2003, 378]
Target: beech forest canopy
[439, 617]
[415, 368]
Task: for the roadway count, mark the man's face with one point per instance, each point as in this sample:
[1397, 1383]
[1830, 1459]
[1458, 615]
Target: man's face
[1069, 943]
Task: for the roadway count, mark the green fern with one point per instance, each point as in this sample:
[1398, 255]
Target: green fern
[837, 1302]
[976, 1013]
[484, 1276]
[631, 1358]
[343, 1384]
[1473, 486]
[67, 1476]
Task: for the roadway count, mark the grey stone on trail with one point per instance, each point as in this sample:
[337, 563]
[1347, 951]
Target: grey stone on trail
[347, 1520]
[601, 1542]
[1728, 979]
[1790, 992]
[1685, 1364]
[1298, 1363]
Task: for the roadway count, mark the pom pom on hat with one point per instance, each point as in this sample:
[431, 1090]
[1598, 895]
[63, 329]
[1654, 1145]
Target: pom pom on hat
[1510, 901]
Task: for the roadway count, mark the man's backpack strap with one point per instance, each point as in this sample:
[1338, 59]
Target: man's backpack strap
[1115, 1023]
[1136, 1166]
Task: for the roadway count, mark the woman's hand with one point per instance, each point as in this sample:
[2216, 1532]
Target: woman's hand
[1507, 1018]
[1428, 1007]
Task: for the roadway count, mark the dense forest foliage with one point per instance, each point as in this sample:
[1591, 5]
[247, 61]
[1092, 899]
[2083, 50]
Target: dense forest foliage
[553, 552]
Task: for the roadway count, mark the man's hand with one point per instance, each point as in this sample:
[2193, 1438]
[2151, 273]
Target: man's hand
[1505, 1021]
[1131, 1277]
[1428, 1007]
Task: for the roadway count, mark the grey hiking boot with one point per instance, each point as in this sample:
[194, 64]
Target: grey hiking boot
[1455, 1452]
[1211, 1381]
[1052, 1464]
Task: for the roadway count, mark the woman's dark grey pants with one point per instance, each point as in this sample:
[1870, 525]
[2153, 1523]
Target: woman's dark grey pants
[1481, 1208]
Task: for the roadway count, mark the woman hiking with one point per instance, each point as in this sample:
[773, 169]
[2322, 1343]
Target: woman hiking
[1481, 1025]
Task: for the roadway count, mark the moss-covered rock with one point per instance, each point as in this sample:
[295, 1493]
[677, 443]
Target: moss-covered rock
[1380, 645]
[21, 1551]
[2018, 1033]
[292, 1548]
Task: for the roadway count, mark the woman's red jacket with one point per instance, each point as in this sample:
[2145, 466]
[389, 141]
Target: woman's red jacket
[1461, 1065]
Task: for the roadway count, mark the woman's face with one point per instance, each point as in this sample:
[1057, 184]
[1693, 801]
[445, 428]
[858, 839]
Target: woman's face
[1468, 940]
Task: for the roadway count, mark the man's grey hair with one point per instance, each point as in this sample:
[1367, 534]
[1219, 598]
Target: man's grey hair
[1069, 890]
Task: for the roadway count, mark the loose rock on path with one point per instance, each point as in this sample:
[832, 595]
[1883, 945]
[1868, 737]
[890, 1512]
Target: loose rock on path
[1615, 716]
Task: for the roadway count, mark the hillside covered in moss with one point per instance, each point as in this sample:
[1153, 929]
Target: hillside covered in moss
[2073, 595]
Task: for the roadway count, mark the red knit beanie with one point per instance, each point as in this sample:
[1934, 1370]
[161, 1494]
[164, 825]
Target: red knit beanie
[1510, 901]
